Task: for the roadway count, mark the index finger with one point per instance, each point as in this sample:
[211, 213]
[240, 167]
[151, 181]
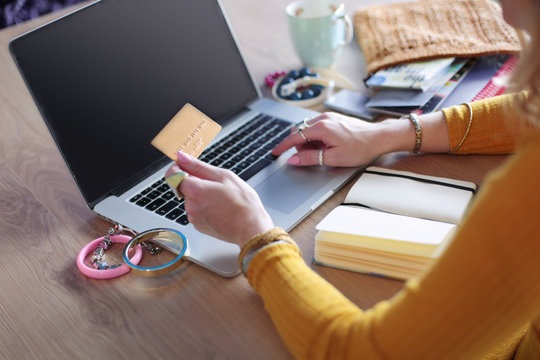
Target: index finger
[198, 168]
[312, 133]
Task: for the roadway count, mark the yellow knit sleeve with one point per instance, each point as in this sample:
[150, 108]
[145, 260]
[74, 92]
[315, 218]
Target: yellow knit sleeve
[474, 301]
[492, 129]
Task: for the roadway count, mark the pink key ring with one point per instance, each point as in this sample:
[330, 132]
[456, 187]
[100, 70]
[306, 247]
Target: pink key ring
[111, 272]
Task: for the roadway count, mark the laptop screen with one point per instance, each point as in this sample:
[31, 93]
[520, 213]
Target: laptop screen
[107, 78]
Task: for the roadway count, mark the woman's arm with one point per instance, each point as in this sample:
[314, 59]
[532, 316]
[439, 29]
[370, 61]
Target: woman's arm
[348, 141]
[484, 289]
[493, 128]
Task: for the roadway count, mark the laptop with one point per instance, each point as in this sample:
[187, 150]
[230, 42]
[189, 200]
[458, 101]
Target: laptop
[108, 77]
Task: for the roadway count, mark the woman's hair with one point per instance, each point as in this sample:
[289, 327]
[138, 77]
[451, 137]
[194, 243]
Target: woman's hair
[527, 75]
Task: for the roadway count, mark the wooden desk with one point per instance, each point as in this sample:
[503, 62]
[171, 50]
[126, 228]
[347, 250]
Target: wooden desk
[49, 310]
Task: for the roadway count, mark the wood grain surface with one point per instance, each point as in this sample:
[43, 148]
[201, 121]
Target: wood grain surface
[50, 310]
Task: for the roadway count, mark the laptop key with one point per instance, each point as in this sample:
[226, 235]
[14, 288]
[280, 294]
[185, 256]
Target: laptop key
[228, 164]
[255, 168]
[174, 214]
[166, 208]
[143, 202]
[244, 165]
[252, 158]
[260, 152]
[168, 195]
[183, 220]
[163, 188]
[154, 194]
[155, 204]
[216, 162]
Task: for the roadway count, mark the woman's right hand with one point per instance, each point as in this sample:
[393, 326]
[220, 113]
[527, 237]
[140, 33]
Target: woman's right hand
[346, 141]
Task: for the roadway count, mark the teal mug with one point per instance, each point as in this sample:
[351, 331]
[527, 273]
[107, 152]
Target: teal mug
[319, 29]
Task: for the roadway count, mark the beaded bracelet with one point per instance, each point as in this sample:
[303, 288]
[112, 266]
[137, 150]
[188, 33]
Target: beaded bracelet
[418, 131]
[259, 241]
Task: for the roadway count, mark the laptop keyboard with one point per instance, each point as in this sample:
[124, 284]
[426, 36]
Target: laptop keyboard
[245, 151]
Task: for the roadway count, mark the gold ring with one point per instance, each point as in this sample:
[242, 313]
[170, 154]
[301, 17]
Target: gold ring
[321, 157]
[303, 135]
[174, 182]
[170, 239]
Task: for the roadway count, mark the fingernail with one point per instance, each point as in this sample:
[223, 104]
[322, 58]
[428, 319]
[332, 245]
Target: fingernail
[183, 157]
[294, 160]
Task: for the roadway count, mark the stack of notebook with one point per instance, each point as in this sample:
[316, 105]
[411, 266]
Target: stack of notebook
[392, 223]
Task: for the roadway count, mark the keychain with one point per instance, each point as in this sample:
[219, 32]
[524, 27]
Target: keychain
[101, 269]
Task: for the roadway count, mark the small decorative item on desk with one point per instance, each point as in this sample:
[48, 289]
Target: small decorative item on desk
[299, 87]
[101, 269]
[153, 241]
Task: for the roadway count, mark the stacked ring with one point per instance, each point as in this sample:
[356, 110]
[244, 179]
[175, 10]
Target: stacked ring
[321, 157]
[301, 132]
[168, 238]
[111, 272]
[303, 124]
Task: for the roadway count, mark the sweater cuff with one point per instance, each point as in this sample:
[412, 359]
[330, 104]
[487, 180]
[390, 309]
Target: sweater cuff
[490, 129]
[260, 241]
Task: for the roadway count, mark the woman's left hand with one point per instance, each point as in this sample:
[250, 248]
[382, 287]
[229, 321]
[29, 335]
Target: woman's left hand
[219, 203]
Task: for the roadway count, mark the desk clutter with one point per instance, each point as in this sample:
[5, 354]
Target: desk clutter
[153, 241]
[423, 56]
[431, 29]
[427, 86]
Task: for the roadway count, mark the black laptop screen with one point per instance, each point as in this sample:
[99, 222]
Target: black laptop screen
[107, 78]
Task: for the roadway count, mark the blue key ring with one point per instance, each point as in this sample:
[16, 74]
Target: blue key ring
[170, 239]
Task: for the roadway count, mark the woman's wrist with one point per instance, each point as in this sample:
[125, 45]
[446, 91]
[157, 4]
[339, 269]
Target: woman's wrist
[259, 241]
[397, 135]
[401, 135]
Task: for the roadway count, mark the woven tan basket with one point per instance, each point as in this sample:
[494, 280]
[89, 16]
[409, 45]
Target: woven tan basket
[426, 29]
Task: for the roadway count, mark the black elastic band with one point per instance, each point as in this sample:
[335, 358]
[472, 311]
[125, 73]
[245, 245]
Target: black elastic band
[474, 190]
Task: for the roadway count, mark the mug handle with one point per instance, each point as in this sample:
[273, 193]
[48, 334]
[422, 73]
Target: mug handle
[348, 29]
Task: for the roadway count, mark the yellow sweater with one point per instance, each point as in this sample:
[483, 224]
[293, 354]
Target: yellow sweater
[475, 302]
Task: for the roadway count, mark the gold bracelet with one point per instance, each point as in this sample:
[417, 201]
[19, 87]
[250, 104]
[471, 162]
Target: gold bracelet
[417, 129]
[259, 241]
[466, 131]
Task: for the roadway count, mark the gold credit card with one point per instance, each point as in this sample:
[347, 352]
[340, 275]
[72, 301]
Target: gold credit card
[189, 131]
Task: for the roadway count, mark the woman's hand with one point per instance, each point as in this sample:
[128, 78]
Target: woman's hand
[219, 203]
[346, 141]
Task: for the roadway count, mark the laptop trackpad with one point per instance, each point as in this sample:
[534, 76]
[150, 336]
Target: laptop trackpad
[290, 187]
